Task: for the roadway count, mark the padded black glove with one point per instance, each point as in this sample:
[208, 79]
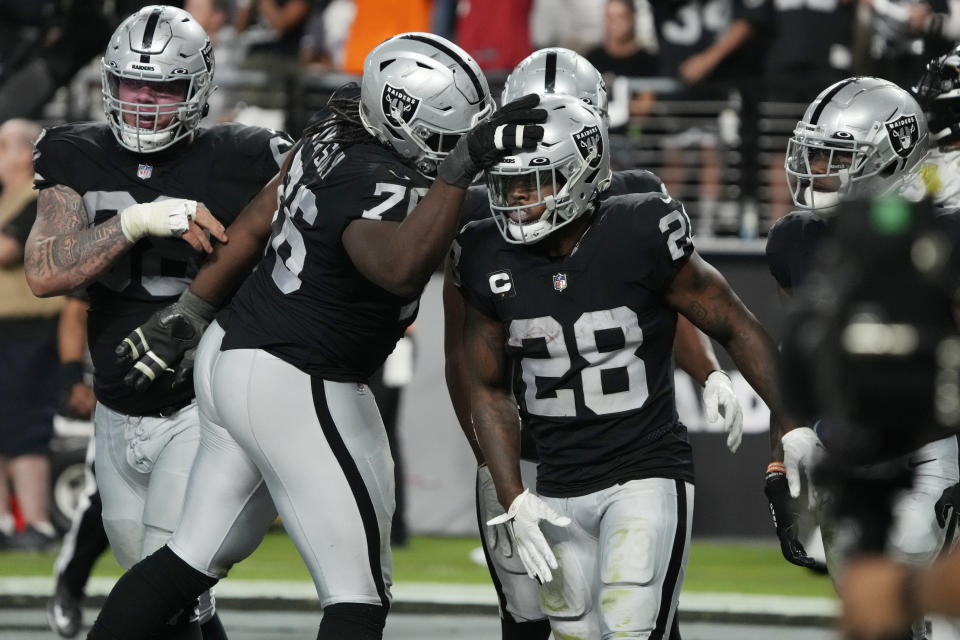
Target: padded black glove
[168, 339]
[511, 128]
[785, 519]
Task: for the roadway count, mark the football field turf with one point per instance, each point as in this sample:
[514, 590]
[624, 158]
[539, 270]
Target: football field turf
[714, 566]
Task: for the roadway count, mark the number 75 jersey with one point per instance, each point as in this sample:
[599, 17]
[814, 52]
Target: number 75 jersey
[590, 341]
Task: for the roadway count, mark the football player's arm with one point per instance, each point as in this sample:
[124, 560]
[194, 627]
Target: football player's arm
[229, 264]
[699, 292]
[455, 366]
[494, 410]
[401, 256]
[64, 252]
[693, 351]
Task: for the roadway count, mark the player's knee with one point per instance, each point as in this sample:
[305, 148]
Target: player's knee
[352, 620]
[629, 611]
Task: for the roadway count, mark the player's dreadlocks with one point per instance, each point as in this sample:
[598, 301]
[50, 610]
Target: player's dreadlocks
[339, 122]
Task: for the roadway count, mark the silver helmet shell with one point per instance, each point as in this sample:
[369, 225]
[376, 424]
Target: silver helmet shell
[557, 70]
[564, 175]
[157, 44]
[420, 93]
[861, 137]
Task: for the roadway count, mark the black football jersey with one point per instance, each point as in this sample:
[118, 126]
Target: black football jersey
[307, 303]
[222, 168]
[476, 203]
[791, 246]
[590, 341]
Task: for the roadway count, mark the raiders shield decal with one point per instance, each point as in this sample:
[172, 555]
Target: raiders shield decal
[398, 105]
[902, 133]
[590, 144]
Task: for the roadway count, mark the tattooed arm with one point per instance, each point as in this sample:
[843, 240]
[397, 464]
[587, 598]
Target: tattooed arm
[63, 252]
[495, 417]
[703, 295]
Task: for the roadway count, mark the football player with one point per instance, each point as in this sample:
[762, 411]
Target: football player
[353, 229]
[565, 72]
[861, 137]
[938, 92]
[572, 298]
[117, 202]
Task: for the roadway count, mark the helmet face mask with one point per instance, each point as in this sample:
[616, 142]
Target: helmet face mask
[536, 192]
[938, 92]
[419, 94]
[560, 71]
[156, 75]
[862, 137]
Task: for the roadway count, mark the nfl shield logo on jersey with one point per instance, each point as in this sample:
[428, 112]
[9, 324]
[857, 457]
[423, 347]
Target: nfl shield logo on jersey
[398, 105]
[902, 134]
[144, 171]
[559, 281]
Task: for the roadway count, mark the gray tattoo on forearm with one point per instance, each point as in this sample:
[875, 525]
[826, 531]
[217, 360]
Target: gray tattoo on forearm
[61, 246]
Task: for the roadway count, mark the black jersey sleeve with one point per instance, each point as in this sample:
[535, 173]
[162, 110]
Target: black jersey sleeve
[378, 190]
[55, 159]
[635, 181]
[19, 227]
[663, 235]
[260, 150]
[783, 237]
[468, 254]
[753, 11]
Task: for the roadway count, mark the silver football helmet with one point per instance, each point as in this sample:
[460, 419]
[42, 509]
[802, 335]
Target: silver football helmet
[557, 70]
[158, 44]
[861, 137]
[562, 177]
[420, 93]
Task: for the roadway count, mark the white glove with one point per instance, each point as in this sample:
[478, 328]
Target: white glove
[499, 536]
[164, 218]
[525, 513]
[719, 399]
[802, 451]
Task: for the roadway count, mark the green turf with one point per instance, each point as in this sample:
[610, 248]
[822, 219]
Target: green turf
[712, 567]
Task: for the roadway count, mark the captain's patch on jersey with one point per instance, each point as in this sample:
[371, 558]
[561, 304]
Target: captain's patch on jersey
[398, 105]
[501, 284]
[590, 144]
[902, 133]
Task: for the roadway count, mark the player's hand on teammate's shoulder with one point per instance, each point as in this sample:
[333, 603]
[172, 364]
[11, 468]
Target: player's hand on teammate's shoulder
[165, 343]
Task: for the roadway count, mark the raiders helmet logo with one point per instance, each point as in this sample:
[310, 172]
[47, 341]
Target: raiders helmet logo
[590, 144]
[903, 133]
[398, 105]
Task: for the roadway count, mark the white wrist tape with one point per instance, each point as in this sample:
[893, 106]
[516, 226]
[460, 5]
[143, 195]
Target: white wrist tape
[162, 219]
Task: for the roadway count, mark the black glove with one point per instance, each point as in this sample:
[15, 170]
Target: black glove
[785, 519]
[946, 507]
[168, 339]
[493, 139]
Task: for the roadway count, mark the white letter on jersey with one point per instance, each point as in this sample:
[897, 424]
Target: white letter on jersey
[500, 282]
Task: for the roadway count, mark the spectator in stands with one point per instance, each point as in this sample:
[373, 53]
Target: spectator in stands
[272, 29]
[75, 32]
[904, 34]
[621, 55]
[796, 74]
[214, 17]
[377, 20]
[315, 47]
[28, 353]
[573, 24]
[500, 48]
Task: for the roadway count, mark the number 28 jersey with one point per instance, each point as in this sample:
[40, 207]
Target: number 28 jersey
[589, 340]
